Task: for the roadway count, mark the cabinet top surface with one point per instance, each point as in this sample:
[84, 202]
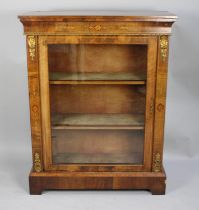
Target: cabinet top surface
[71, 15]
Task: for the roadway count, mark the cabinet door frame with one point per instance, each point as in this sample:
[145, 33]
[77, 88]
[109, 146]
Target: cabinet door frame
[151, 42]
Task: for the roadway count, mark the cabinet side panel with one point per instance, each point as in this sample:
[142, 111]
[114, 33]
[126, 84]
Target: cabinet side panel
[34, 100]
[160, 102]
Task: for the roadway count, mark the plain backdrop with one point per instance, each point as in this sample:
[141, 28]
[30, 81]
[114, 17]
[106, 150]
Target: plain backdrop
[181, 128]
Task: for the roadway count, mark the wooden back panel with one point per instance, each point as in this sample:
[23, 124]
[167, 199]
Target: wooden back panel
[97, 99]
[97, 58]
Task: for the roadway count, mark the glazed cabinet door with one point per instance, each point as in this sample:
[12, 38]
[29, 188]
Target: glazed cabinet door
[97, 102]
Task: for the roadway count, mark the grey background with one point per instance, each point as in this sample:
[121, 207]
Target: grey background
[181, 129]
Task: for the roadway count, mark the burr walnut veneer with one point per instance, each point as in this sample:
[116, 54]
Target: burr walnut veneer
[97, 88]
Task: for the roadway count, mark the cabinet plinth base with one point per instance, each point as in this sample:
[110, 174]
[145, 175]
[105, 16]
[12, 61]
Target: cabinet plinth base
[153, 181]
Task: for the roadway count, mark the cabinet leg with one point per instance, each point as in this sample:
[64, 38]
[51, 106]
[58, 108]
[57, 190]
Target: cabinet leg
[35, 186]
[35, 190]
[158, 189]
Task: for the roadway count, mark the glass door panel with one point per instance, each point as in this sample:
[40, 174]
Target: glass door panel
[97, 103]
[94, 62]
[97, 146]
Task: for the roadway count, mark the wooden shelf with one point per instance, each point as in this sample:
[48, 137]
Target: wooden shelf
[97, 121]
[129, 158]
[97, 78]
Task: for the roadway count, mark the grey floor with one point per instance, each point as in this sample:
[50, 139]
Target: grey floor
[182, 189]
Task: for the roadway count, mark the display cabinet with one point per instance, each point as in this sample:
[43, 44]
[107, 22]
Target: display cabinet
[97, 88]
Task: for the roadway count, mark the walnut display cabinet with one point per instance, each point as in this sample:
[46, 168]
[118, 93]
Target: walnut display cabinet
[97, 88]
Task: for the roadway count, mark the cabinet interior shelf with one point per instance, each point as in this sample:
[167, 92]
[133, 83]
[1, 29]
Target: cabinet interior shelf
[98, 121]
[97, 78]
